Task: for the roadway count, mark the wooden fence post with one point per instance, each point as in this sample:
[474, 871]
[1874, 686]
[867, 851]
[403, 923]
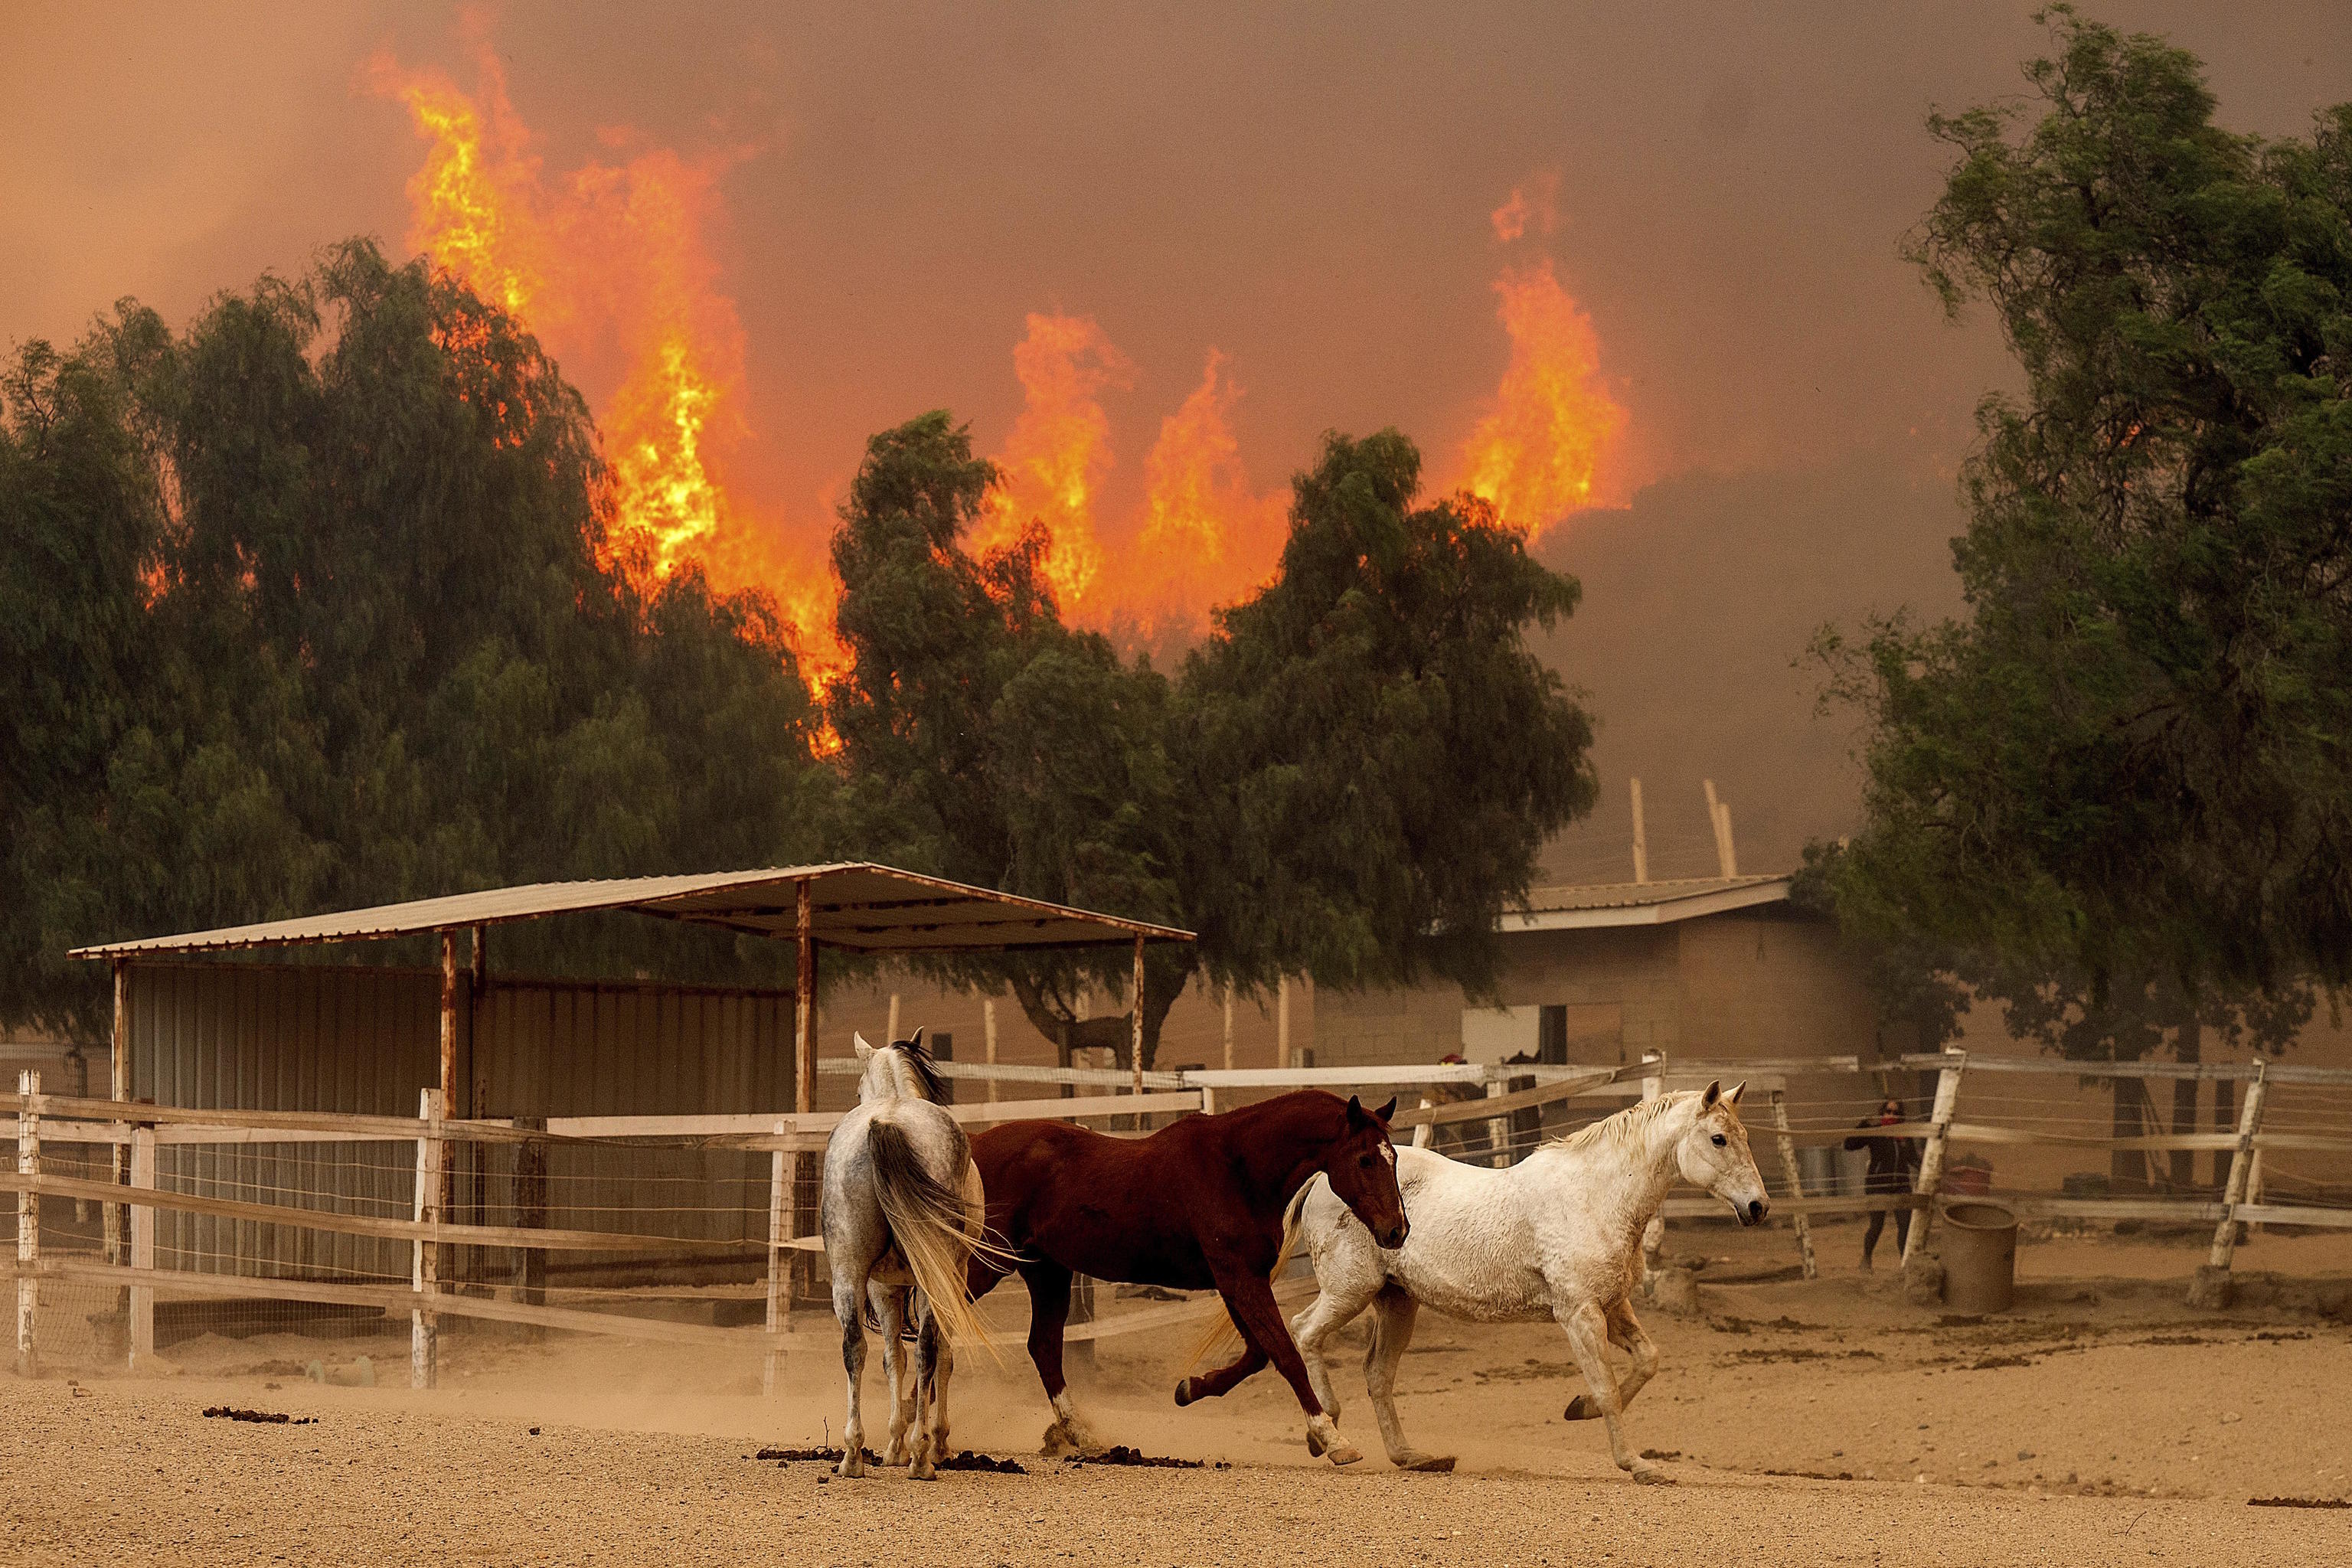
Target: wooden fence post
[117, 1215]
[28, 1220]
[1498, 1127]
[2210, 1290]
[143, 1241]
[779, 1220]
[530, 1214]
[987, 1028]
[1796, 1180]
[424, 1265]
[1423, 1134]
[1653, 1232]
[1931, 1159]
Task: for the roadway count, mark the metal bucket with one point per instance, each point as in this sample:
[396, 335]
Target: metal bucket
[1980, 1256]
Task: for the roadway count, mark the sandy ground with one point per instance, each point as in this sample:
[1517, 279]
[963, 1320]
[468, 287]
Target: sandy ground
[2101, 1422]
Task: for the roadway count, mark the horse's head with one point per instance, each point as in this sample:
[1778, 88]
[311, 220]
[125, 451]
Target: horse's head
[900, 1070]
[1362, 1166]
[1713, 1153]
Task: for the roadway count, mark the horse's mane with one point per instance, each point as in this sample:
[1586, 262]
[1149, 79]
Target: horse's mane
[1625, 1126]
[927, 1074]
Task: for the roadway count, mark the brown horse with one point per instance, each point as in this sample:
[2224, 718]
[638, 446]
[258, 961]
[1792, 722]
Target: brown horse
[1196, 1205]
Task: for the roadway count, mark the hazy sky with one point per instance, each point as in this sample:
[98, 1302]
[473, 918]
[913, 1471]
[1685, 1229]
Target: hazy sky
[1306, 188]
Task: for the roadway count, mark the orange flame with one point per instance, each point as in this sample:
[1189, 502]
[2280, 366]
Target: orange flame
[1059, 449]
[611, 259]
[1545, 445]
[1207, 536]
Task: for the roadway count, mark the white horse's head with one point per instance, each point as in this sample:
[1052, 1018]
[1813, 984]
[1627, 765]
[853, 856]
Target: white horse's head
[1713, 1153]
[900, 1070]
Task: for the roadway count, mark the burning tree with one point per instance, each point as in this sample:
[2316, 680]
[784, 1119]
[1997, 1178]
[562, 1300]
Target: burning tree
[1349, 779]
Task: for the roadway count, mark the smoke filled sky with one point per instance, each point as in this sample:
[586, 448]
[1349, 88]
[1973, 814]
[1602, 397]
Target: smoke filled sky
[893, 189]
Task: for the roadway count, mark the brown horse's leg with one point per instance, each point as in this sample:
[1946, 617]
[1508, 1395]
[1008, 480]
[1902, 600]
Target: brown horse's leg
[1225, 1379]
[1251, 1301]
[1049, 1315]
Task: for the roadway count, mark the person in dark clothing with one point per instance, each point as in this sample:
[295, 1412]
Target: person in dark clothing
[1894, 1168]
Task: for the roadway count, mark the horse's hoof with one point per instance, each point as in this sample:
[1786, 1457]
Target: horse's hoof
[1057, 1443]
[922, 1471]
[1652, 1475]
[1430, 1464]
[1344, 1455]
[851, 1466]
[1580, 1408]
[1185, 1393]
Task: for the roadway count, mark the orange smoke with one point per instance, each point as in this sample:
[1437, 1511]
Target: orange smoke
[608, 264]
[1059, 449]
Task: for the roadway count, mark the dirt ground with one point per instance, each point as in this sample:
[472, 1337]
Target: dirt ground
[1825, 1421]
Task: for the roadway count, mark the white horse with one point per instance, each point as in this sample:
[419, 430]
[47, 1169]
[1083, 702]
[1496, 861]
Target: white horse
[1557, 1236]
[902, 1207]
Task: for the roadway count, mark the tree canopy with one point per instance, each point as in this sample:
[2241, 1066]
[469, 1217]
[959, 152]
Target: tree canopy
[2129, 761]
[1350, 778]
[310, 605]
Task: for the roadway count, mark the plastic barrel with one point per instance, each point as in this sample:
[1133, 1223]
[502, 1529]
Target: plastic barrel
[1980, 1256]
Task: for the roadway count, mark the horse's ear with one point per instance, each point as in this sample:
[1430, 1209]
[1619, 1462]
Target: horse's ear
[1355, 1112]
[1714, 1092]
[916, 1039]
[1737, 1090]
[859, 1040]
[1388, 1112]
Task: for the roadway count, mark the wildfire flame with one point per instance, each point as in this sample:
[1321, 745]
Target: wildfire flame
[1059, 449]
[609, 260]
[607, 264]
[1548, 443]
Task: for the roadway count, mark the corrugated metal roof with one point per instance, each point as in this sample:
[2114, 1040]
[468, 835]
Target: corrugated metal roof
[856, 906]
[1642, 903]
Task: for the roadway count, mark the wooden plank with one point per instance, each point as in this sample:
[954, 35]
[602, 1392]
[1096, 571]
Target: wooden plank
[2291, 1214]
[400, 1299]
[1344, 1078]
[1503, 1105]
[2279, 1072]
[382, 1227]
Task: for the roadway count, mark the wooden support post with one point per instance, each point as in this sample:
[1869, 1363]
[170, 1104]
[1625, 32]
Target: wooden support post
[2211, 1290]
[1641, 836]
[1135, 1033]
[780, 1219]
[452, 1101]
[28, 1222]
[117, 1215]
[425, 1258]
[143, 1241]
[1718, 818]
[804, 1163]
[890, 1030]
[1796, 1180]
[1229, 1025]
[1426, 1130]
[1498, 1127]
[987, 1028]
[475, 1101]
[1282, 1021]
[1931, 1158]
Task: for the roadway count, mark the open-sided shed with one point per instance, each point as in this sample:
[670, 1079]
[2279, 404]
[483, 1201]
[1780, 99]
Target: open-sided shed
[211, 1020]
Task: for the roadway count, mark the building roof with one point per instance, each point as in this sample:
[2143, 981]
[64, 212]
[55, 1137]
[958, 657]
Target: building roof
[854, 906]
[1642, 903]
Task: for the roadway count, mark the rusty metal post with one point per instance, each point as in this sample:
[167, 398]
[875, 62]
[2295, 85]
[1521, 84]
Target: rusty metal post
[28, 1221]
[117, 1220]
[804, 1161]
[452, 1104]
[1136, 1035]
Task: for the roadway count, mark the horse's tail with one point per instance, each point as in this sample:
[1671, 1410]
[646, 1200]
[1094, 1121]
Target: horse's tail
[1223, 1336]
[929, 1222]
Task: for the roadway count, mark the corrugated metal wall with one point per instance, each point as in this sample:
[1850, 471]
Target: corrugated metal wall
[366, 1040]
